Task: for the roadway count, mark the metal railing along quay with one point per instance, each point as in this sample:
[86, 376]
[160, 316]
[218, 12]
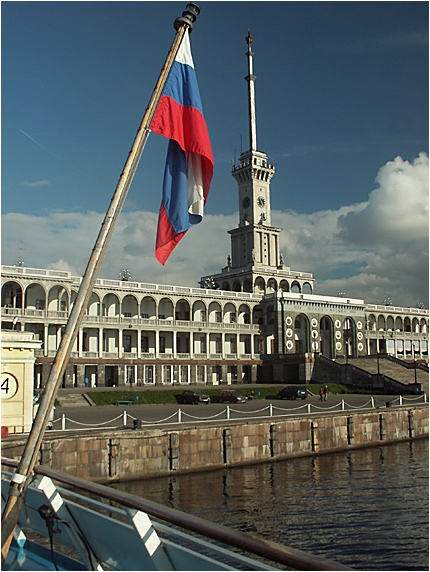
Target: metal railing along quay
[180, 416]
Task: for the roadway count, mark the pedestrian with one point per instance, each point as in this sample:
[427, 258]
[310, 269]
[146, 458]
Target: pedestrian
[325, 392]
[321, 394]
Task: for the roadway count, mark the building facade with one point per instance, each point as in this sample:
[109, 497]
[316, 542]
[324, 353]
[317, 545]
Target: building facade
[256, 320]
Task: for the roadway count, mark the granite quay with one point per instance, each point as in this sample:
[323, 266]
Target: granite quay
[127, 454]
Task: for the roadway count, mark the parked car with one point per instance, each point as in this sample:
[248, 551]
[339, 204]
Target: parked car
[292, 392]
[228, 396]
[193, 397]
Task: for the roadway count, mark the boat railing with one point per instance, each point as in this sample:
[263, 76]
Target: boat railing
[177, 540]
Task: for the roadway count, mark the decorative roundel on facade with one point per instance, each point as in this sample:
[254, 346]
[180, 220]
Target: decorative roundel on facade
[9, 385]
[315, 346]
[360, 347]
[314, 334]
[314, 322]
[359, 325]
[289, 332]
[289, 320]
[337, 323]
[338, 335]
[289, 345]
[360, 335]
[338, 346]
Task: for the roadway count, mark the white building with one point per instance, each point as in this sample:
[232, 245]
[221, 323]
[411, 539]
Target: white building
[255, 321]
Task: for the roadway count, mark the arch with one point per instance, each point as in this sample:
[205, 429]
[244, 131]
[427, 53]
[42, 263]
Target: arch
[165, 309]
[407, 324]
[247, 285]
[295, 287]
[93, 308]
[229, 314]
[327, 337]
[349, 346]
[214, 312]
[272, 285]
[381, 323]
[110, 306]
[371, 323]
[199, 311]
[424, 326]
[307, 288]
[390, 323]
[236, 287]
[244, 316]
[11, 295]
[399, 324]
[148, 308]
[58, 299]
[259, 285]
[182, 310]
[270, 314]
[35, 297]
[258, 315]
[301, 334]
[415, 326]
[130, 306]
[284, 286]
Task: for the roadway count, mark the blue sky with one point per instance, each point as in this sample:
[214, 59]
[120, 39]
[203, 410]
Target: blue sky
[342, 100]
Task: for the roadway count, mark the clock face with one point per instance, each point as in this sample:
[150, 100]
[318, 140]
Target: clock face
[246, 202]
[261, 202]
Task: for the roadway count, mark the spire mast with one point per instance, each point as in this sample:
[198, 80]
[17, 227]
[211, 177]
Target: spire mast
[250, 78]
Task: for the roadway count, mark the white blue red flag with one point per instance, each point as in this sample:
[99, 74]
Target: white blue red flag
[189, 164]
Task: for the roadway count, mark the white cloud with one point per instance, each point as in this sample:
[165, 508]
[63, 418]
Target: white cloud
[42, 183]
[370, 250]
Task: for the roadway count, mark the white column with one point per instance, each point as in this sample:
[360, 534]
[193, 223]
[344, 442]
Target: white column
[120, 343]
[46, 338]
[100, 342]
[139, 343]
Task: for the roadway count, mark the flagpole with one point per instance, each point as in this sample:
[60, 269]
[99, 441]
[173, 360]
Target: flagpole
[23, 474]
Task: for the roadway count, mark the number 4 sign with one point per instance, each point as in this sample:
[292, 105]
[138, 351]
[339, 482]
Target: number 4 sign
[9, 385]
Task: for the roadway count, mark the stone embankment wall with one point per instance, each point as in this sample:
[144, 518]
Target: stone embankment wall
[137, 454]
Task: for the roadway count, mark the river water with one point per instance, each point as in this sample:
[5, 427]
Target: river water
[368, 508]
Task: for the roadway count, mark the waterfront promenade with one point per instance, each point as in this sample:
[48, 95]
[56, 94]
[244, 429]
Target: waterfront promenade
[84, 417]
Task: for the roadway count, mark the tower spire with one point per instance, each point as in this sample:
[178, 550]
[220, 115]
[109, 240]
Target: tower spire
[250, 78]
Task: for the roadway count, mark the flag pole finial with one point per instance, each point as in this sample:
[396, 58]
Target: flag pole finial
[188, 17]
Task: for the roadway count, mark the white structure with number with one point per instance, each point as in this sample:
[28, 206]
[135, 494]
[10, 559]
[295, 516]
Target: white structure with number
[17, 373]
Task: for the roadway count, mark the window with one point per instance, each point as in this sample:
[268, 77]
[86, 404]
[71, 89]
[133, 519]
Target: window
[148, 374]
[145, 344]
[201, 373]
[232, 318]
[203, 315]
[145, 316]
[218, 317]
[127, 314]
[40, 304]
[162, 344]
[162, 316]
[127, 343]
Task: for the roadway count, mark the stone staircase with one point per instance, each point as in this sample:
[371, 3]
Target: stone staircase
[362, 372]
[396, 370]
[74, 400]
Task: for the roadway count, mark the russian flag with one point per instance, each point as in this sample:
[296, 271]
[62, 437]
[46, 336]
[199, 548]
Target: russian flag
[189, 165]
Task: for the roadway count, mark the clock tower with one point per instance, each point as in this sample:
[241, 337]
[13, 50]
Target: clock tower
[256, 263]
[255, 240]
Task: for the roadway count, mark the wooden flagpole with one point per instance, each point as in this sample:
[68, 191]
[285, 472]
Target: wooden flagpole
[23, 474]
